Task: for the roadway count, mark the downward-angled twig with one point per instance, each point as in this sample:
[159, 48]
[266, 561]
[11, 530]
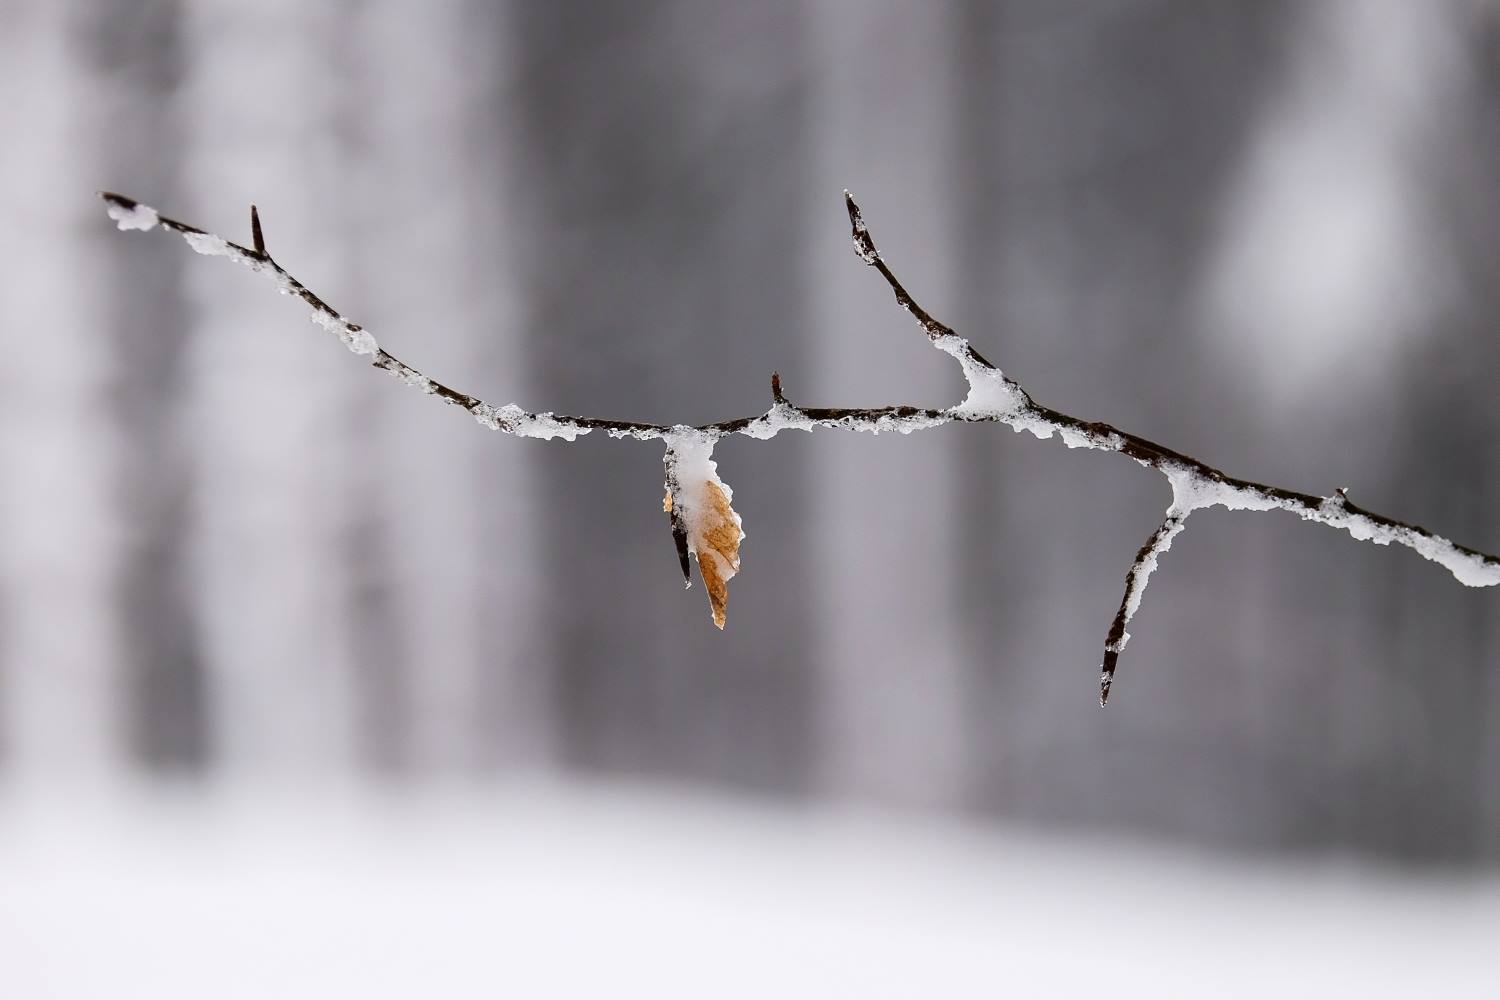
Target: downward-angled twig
[1136, 579]
[993, 396]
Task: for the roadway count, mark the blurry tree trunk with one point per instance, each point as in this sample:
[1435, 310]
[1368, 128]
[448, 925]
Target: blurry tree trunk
[662, 150]
[999, 597]
[1447, 646]
[1096, 140]
[1469, 205]
[1331, 232]
[462, 686]
[134, 54]
[271, 413]
[62, 540]
[887, 661]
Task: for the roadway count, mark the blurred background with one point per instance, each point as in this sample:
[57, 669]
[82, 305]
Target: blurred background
[309, 686]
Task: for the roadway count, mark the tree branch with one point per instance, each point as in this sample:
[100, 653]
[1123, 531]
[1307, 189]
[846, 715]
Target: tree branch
[993, 397]
[1139, 574]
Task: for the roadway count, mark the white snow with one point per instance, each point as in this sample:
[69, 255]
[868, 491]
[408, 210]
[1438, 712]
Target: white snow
[624, 891]
[1469, 570]
[780, 417]
[1142, 570]
[690, 468]
[208, 244]
[410, 376]
[787, 418]
[357, 339]
[1192, 491]
[902, 425]
[991, 395]
[542, 426]
[515, 420]
[142, 217]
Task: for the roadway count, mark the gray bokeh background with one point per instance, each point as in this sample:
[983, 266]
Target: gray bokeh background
[1265, 233]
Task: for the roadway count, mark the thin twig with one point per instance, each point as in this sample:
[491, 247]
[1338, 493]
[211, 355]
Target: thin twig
[256, 236]
[993, 396]
[1140, 572]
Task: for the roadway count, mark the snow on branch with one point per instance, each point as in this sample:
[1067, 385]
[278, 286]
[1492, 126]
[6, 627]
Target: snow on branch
[697, 501]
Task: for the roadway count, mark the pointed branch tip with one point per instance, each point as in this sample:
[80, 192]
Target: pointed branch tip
[256, 236]
[864, 244]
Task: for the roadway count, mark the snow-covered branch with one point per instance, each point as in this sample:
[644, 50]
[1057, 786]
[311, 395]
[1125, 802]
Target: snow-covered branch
[698, 503]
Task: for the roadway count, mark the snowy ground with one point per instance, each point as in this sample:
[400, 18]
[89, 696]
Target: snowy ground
[589, 891]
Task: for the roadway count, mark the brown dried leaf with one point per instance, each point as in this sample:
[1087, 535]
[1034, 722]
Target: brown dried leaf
[717, 544]
[697, 504]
